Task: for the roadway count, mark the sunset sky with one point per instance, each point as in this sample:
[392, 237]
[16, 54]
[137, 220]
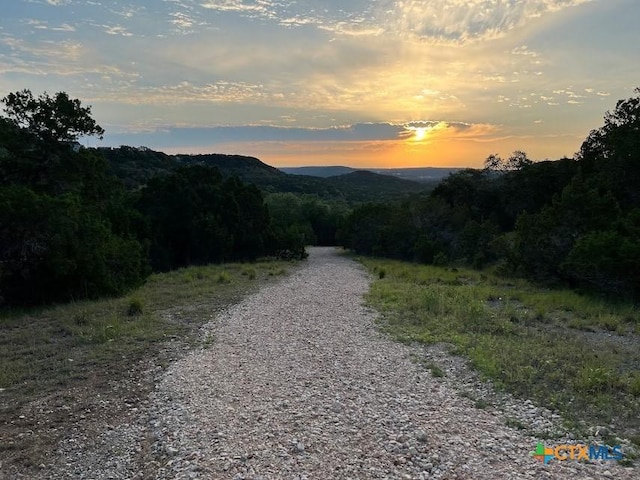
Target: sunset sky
[332, 82]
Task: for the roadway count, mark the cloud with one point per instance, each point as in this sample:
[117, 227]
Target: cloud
[460, 21]
[182, 20]
[47, 49]
[360, 132]
[116, 30]
[42, 25]
[524, 50]
[186, 93]
[365, 144]
[263, 7]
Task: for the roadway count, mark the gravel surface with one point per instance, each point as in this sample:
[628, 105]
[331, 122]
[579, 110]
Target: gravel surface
[298, 383]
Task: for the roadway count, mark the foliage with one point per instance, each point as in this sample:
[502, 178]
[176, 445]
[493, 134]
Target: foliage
[608, 261]
[517, 161]
[305, 218]
[572, 220]
[526, 339]
[65, 228]
[70, 230]
[197, 217]
[610, 155]
[51, 119]
[544, 240]
[136, 166]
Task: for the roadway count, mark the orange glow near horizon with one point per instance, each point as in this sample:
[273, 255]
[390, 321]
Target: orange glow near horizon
[360, 154]
[440, 145]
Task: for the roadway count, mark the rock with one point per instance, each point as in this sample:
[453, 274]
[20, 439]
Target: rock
[172, 452]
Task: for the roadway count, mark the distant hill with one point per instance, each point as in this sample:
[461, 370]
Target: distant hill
[135, 166]
[419, 174]
[249, 169]
[323, 172]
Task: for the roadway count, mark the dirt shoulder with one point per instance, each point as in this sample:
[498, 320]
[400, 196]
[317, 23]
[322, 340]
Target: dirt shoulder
[80, 407]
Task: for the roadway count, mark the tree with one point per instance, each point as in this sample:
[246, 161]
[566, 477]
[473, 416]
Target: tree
[494, 163]
[611, 153]
[59, 248]
[51, 119]
[66, 227]
[197, 217]
[517, 161]
[543, 240]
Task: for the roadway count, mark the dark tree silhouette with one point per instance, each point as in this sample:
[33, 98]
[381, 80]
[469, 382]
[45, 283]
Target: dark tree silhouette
[58, 118]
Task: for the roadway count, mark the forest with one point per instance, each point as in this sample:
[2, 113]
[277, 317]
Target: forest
[82, 223]
[574, 222]
[69, 229]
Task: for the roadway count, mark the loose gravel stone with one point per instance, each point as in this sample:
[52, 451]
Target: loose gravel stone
[299, 384]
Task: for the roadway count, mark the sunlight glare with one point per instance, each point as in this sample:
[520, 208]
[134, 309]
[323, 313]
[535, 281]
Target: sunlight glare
[418, 134]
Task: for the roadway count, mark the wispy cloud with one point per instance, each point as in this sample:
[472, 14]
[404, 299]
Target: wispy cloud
[343, 133]
[47, 49]
[116, 30]
[182, 20]
[363, 74]
[460, 21]
[263, 7]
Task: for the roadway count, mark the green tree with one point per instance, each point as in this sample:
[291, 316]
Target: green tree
[610, 155]
[608, 261]
[52, 119]
[58, 248]
[195, 217]
[67, 229]
[543, 240]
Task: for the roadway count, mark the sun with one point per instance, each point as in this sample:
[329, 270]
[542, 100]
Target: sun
[419, 133]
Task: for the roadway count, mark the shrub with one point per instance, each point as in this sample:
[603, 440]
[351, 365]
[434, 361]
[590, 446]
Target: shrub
[135, 307]
[224, 277]
[440, 259]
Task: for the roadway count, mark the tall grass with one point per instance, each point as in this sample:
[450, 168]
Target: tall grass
[572, 353]
[46, 348]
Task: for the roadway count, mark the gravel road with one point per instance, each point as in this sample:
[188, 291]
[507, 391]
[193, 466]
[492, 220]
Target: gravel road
[297, 383]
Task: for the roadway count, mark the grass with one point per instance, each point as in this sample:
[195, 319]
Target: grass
[46, 349]
[572, 353]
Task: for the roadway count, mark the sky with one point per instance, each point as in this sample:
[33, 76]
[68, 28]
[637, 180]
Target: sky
[363, 83]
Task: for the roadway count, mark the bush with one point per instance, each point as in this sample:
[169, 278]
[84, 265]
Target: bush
[224, 277]
[607, 262]
[440, 259]
[135, 307]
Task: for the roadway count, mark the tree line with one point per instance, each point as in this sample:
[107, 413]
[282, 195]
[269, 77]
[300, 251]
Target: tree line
[571, 221]
[69, 229]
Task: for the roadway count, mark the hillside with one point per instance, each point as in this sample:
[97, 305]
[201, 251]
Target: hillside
[428, 175]
[136, 166]
[324, 172]
[248, 169]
